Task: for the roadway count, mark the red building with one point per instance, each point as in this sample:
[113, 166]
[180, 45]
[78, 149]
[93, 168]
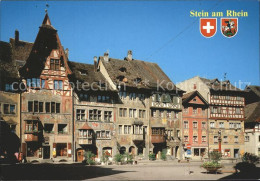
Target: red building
[195, 124]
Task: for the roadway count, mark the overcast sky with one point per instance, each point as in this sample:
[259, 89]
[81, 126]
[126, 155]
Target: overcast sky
[156, 31]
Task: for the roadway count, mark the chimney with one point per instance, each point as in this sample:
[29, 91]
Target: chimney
[16, 37]
[95, 63]
[129, 55]
[106, 56]
[67, 52]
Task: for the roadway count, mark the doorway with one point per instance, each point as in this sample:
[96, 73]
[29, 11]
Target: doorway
[80, 155]
[236, 153]
[46, 152]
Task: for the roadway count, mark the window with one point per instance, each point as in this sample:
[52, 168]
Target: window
[61, 149]
[53, 107]
[58, 84]
[141, 113]
[36, 82]
[138, 129]
[203, 110]
[227, 97]
[62, 128]
[141, 97]
[104, 134]
[239, 98]
[215, 97]
[94, 115]
[204, 139]
[8, 87]
[127, 129]
[237, 125]
[214, 110]
[47, 107]
[40, 106]
[195, 110]
[221, 124]
[84, 97]
[35, 106]
[238, 111]
[161, 114]
[28, 81]
[203, 125]
[186, 138]
[31, 126]
[57, 64]
[83, 133]
[215, 139]
[185, 110]
[9, 109]
[132, 113]
[52, 64]
[108, 116]
[42, 83]
[57, 107]
[80, 114]
[231, 125]
[122, 112]
[120, 129]
[153, 112]
[236, 139]
[247, 138]
[186, 124]
[122, 95]
[158, 131]
[195, 139]
[212, 124]
[176, 115]
[225, 139]
[168, 114]
[195, 125]
[103, 98]
[48, 128]
[31, 150]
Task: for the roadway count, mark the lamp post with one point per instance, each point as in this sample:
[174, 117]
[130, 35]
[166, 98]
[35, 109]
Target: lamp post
[219, 141]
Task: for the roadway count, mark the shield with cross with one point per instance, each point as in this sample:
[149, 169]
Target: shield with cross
[229, 27]
[208, 27]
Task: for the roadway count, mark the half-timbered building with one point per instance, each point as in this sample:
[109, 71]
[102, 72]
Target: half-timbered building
[226, 114]
[46, 106]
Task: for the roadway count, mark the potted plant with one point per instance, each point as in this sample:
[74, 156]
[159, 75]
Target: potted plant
[213, 164]
[129, 158]
[152, 156]
[105, 158]
[119, 158]
[89, 158]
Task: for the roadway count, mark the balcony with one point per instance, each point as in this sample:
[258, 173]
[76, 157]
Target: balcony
[85, 140]
[137, 137]
[157, 139]
[30, 137]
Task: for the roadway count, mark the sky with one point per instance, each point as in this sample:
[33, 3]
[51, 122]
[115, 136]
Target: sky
[162, 32]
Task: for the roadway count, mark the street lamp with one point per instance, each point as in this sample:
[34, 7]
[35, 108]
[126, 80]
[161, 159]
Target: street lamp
[219, 141]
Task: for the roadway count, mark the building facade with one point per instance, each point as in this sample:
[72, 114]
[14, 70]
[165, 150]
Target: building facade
[195, 125]
[226, 114]
[46, 106]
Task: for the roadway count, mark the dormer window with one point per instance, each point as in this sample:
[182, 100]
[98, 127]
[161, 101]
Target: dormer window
[55, 64]
[122, 69]
[120, 78]
[83, 72]
[137, 80]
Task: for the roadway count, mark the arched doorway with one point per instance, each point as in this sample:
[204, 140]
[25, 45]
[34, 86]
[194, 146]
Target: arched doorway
[140, 150]
[132, 150]
[122, 150]
[107, 151]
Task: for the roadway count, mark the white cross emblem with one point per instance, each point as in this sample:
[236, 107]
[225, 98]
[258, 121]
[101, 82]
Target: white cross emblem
[208, 27]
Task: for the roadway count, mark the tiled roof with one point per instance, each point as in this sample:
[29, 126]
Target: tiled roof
[252, 112]
[137, 73]
[190, 95]
[21, 49]
[217, 85]
[84, 73]
[255, 89]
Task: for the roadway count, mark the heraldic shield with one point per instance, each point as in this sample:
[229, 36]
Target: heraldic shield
[208, 27]
[229, 27]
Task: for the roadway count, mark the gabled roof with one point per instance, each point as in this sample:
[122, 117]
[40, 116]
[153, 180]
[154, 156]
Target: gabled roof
[86, 127]
[46, 41]
[136, 73]
[84, 73]
[252, 112]
[187, 97]
[254, 88]
[217, 85]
